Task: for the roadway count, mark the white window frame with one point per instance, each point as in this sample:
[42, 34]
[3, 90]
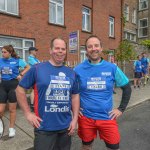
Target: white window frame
[23, 48]
[134, 16]
[85, 26]
[5, 10]
[126, 12]
[111, 26]
[56, 11]
[126, 33]
[141, 2]
[82, 53]
[139, 28]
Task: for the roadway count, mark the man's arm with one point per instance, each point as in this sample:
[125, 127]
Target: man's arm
[22, 100]
[75, 111]
[126, 94]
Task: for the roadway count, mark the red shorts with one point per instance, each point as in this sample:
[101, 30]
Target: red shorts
[108, 130]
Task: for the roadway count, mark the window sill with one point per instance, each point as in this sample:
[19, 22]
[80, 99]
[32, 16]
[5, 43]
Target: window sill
[8, 14]
[89, 32]
[143, 9]
[133, 23]
[58, 25]
[143, 37]
[112, 37]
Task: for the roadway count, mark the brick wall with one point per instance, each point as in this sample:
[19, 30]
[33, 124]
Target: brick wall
[32, 23]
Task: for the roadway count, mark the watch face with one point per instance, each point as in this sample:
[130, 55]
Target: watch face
[1, 128]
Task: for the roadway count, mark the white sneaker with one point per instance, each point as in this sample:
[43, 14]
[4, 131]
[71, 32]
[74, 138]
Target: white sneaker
[1, 128]
[12, 132]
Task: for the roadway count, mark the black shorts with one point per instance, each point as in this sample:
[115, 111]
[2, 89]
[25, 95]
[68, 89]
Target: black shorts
[52, 140]
[7, 91]
[138, 75]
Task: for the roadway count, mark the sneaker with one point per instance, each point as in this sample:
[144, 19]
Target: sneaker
[138, 86]
[135, 87]
[12, 132]
[1, 128]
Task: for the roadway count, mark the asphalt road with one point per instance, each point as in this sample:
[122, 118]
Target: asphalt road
[134, 127]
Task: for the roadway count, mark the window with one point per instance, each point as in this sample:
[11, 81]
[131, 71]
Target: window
[111, 26]
[86, 19]
[126, 12]
[143, 27]
[82, 53]
[111, 56]
[21, 45]
[134, 16]
[56, 11]
[9, 6]
[130, 36]
[143, 4]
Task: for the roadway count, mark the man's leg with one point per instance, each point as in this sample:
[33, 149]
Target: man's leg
[63, 140]
[44, 140]
[87, 131]
[108, 131]
[87, 145]
[112, 146]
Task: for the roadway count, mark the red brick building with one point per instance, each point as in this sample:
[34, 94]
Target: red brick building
[28, 23]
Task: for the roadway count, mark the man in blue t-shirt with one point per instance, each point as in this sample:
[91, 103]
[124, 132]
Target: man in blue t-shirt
[137, 72]
[56, 95]
[96, 80]
[145, 67]
[32, 60]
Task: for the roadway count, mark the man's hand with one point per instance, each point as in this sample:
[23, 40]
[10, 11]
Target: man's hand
[72, 127]
[33, 119]
[114, 114]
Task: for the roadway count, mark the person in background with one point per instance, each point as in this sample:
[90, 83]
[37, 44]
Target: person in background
[96, 81]
[32, 60]
[145, 67]
[137, 72]
[10, 76]
[57, 94]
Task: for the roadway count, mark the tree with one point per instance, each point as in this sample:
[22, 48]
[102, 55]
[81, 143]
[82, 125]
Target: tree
[125, 52]
[146, 43]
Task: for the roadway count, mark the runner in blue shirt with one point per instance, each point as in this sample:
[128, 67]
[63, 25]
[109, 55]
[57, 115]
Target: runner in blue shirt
[56, 95]
[9, 69]
[137, 72]
[145, 67]
[96, 80]
[32, 60]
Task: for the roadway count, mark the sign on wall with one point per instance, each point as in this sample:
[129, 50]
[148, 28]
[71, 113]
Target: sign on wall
[74, 42]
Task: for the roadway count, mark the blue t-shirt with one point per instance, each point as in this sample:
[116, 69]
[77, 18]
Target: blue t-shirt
[10, 67]
[138, 66]
[96, 84]
[53, 87]
[145, 62]
[32, 60]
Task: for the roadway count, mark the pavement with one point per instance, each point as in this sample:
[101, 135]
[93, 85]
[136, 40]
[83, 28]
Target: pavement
[24, 131]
